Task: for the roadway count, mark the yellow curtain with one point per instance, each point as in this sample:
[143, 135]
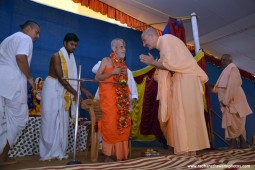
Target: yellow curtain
[198, 57]
[136, 114]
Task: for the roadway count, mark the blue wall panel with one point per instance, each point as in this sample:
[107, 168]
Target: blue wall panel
[95, 36]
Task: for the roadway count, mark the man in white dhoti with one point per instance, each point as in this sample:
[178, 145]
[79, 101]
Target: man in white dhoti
[15, 57]
[58, 97]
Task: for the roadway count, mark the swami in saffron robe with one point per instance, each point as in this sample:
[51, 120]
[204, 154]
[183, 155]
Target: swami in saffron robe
[114, 142]
[231, 94]
[181, 108]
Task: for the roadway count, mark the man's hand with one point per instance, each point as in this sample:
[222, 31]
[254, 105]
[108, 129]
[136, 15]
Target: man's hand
[31, 82]
[147, 59]
[24, 68]
[123, 71]
[117, 70]
[75, 96]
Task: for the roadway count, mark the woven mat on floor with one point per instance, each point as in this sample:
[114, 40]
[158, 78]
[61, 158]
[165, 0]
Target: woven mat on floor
[231, 159]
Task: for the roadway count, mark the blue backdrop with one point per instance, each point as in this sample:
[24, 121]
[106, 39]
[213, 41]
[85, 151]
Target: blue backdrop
[95, 36]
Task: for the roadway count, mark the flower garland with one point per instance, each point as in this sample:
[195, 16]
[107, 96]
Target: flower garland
[122, 94]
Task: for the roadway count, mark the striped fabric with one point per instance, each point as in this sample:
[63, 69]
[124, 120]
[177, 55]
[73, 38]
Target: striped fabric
[233, 159]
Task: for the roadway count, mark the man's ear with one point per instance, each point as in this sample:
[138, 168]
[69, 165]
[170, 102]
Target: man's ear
[113, 49]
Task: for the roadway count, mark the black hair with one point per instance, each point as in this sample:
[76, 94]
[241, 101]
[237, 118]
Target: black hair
[28, 23]
[71, 37]
[40, 79]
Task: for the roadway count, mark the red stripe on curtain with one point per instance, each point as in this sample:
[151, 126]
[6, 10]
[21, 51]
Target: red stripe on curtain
[113, 13]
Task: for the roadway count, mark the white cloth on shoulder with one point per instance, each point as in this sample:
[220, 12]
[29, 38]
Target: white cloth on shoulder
[72, 73]
[72, 68]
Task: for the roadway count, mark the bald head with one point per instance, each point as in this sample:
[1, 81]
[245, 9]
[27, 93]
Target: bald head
[150, 31]
[150, 38]
[226, 59]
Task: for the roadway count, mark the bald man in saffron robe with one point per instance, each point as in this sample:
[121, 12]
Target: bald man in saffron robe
[181, 108]
[233, 103]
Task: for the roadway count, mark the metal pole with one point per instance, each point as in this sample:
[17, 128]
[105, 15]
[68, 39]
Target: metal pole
[96, 81]
[74, 161]
[77, 112]
[195, 32]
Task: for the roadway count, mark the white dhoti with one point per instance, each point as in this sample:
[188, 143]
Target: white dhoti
[54, 121]
[13, 118]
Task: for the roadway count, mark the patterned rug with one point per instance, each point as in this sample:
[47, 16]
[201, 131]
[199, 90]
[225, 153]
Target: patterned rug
[28, 140]
[232, 159]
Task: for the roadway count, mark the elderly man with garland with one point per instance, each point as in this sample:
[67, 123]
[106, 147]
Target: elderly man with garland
[114, 103]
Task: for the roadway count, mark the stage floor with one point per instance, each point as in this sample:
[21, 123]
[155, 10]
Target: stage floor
[220, 156]
[33, 161]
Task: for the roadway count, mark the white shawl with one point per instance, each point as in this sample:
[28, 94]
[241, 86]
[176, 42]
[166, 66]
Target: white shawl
[72, 68]
[72, 73]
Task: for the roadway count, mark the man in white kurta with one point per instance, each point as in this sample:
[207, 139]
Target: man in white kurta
[233, 103]
[15, 58]
[58, 96]
[181, 108]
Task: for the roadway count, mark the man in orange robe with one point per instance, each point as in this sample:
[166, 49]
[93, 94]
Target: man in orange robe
[233, 102]
[114, 103]
[181, 108]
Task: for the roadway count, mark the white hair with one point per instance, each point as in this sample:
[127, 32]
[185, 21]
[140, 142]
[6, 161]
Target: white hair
[115, 42]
